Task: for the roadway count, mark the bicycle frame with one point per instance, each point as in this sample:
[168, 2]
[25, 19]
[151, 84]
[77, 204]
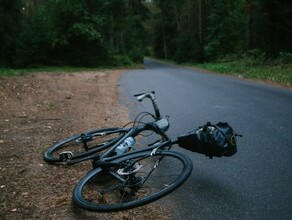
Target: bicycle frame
[93, 148]
[104, 162]
[129, 132]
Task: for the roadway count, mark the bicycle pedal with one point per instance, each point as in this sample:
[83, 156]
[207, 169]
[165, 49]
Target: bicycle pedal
[129, 170]
[64, 156]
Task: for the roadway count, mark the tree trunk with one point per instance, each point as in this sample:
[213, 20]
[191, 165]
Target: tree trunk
[163, 35]
[249, 29]
[200, 22]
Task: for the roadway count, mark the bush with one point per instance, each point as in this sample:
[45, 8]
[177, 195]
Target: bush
[255, 57]
[136, 55]
[120, 60]
[284, 58]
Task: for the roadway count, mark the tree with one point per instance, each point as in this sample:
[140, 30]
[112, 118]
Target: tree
[225, 28]
[249, 24]
[179, 29]
[10, 23]
[73, 32]
[126, 29]
[76, 34]
[98, 32]
[272, 26]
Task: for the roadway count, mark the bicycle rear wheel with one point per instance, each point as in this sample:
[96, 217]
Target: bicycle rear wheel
[144, 178]
[82, 145]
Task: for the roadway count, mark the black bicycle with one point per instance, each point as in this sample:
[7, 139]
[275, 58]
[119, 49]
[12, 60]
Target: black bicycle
[132, 178]
[82, 146]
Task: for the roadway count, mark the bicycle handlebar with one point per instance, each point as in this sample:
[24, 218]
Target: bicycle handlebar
[151, 96]
[143, 95]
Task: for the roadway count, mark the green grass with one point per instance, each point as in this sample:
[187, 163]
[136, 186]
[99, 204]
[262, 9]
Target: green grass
[276, 73]
[67, 69]
[20, 72]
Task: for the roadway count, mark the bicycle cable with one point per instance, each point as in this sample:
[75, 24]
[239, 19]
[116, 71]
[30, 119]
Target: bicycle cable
[138, 120]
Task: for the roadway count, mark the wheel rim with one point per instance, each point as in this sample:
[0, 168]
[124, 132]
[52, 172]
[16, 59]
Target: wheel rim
[104, 192]
[81, 145]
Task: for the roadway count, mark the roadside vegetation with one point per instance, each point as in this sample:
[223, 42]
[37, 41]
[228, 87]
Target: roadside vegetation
[94, 33]
[278, 71]
[63, 69]
[250, 39]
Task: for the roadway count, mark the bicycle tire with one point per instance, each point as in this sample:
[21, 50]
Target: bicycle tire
[99, 191]
[95, 141]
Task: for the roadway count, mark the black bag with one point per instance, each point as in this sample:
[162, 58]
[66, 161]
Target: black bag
[212, 140]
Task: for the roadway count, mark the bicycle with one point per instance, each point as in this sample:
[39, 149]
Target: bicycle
[80, 147]
[135, 178]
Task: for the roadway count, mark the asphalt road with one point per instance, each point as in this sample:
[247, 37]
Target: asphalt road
[256, 183]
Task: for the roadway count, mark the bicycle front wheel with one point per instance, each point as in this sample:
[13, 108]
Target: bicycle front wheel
[144, 178]
[82, 145]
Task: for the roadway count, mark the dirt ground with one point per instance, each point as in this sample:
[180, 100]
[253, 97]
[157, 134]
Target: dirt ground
[38, 109]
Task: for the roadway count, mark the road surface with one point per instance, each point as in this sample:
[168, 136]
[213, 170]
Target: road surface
[256, 183]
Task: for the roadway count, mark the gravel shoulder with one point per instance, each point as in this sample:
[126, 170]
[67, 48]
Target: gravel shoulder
[37, 110]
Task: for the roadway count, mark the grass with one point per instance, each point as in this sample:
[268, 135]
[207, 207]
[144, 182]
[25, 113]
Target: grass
[279, 73]
[270, 72]
[20, 72]
[67, 69]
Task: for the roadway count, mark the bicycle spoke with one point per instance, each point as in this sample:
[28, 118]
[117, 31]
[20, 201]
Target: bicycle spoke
[142, 180]
[82, 145]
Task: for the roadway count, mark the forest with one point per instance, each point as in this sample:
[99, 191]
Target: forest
[96, 33]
